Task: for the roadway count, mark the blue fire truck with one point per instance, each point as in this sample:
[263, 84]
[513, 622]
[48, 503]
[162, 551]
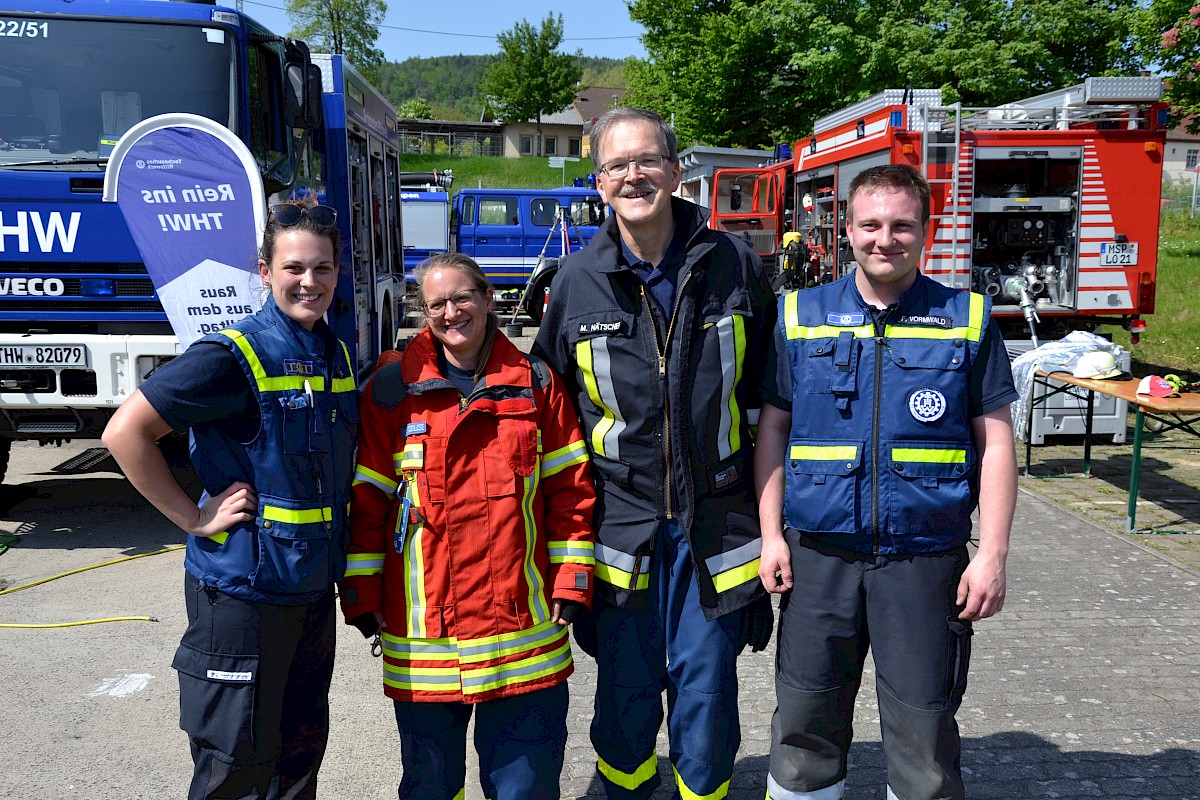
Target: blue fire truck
[80, 324]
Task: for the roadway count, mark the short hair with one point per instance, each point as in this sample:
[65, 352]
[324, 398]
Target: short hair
[615, 116]
[463, 263]
[271, 232]
[896, 177]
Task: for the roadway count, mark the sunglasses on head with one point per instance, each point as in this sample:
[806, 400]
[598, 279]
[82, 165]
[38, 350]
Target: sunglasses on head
[288, 215]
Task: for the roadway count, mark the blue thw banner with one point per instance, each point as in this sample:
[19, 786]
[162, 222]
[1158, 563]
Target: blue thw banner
[192, 197]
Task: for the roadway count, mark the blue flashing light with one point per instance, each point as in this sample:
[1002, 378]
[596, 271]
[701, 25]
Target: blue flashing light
[97, 287]
[1162, 116]
[591, 180]
[895, 119]
[783, 151]
[577, 182]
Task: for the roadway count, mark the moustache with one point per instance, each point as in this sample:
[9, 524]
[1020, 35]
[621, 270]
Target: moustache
[645, 186]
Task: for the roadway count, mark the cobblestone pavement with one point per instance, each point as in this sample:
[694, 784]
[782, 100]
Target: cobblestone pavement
[1086, 685]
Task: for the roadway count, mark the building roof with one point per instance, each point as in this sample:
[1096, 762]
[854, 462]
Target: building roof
[594, 101]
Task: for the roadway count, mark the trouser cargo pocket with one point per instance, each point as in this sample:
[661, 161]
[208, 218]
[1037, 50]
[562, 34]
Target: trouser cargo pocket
[216, 700]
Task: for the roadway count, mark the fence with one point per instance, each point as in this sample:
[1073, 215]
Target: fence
[452, 143]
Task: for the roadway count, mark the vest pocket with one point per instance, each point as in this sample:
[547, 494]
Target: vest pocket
[823, 477]
[293, 546]
[217, 691]
[511, 456]
[929, 486]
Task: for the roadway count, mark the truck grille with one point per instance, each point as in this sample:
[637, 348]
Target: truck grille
[132, 290]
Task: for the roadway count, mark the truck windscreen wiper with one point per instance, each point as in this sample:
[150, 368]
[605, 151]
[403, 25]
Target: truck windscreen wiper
[54, 162]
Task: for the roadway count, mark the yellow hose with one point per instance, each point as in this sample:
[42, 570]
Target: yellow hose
[75, 572]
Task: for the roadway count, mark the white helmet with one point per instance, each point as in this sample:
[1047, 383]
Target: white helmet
[1096, 364]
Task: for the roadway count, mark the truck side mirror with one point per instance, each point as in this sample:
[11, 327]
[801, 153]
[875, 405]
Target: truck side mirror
[735, 197]
[295, 84]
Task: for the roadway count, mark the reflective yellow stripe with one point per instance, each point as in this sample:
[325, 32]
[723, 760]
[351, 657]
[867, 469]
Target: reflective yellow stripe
[731, 337]
[619, 577]
[687, 794]
[585, 359]
[377, 479]
[298, 516]
[517, 672]
[629, 780]
[219, 538]
[422, 679]
[558, 460]
[413, 456]
[538, 608]
[403, 648]
[972, 331]
[812, 452]
[364, 564]
[414, 571]
[572, 552]
[830, 331]
[737, 576]
[461, 794]
[929, 455]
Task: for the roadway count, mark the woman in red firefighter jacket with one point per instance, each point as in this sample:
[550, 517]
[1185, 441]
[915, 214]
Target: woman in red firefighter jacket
[471, 545]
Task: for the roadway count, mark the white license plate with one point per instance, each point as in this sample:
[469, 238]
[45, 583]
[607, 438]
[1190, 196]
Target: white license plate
[38, 355]
[1118, 254]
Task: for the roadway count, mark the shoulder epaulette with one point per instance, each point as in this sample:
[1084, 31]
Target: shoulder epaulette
[541, 372]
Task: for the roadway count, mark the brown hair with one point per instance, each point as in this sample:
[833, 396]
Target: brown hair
[464, 264]
[267, 251]
[890, 177]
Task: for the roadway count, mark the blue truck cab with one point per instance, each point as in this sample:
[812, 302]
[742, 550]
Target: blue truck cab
[518, 235]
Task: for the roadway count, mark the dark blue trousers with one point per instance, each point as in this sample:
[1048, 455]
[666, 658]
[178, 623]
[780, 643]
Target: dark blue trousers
[520, 740]
[900, 607]
[668, 645]
[254, 694]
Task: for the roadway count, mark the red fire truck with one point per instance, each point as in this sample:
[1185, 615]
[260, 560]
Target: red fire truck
[1050, 205]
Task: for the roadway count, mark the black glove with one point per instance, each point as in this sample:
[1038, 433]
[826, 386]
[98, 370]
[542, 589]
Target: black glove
[758, 619]
[366, 624]
[571, 611]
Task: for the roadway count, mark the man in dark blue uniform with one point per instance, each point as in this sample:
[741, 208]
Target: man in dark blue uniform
[885, 424]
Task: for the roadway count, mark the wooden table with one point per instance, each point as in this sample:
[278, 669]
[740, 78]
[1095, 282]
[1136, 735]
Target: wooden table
[1175, 413]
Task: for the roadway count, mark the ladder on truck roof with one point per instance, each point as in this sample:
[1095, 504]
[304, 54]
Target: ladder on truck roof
[940, 129]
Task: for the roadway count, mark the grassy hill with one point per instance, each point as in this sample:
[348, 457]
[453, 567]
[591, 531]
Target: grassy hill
[498, 173]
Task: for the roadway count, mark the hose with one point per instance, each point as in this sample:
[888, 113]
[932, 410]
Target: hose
[121, 560]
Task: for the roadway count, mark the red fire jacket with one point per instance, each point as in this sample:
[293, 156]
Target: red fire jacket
[470, 516]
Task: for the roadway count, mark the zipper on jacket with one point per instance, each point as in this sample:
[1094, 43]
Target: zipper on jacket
[661, 352]
[881, 344]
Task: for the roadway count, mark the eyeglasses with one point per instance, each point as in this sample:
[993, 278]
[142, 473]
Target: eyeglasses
[463, 301]
[289, 214]
[620, 167]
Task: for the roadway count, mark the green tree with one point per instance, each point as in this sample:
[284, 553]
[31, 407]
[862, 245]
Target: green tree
[1168, 33]
[531, 78]
[345, 27]
[752, 72]
[416, 108]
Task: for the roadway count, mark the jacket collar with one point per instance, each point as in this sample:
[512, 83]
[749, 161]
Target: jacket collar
[506, 374]
[686, 214]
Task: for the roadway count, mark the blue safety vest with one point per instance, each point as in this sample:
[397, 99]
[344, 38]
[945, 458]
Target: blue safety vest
[301, 465]
[880, 455]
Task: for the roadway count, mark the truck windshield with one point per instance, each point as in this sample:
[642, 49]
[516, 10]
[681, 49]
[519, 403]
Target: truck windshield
[70, 88]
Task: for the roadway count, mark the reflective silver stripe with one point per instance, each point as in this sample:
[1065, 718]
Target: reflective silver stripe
[729, 425]
[410, 649]
[419, 675]
[777, 792]
[506, 673]
[497, 646]
[735, 557]
[602, 369]
[622, 561]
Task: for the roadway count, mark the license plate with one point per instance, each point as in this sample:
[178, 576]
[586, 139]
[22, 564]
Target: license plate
[1118, 254]
[37, 355]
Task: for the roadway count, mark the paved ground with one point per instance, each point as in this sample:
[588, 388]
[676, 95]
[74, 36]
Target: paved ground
[1087, 685]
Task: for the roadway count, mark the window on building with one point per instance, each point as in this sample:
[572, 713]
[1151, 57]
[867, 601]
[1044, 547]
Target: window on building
[574, 147]
[550, 145]
[526, 145]
[1192, 157]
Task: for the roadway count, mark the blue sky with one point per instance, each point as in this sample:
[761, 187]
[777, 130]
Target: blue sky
[449, 27]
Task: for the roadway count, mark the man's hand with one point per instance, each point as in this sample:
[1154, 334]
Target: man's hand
[219, 513]
[775, 568]
[982, 588]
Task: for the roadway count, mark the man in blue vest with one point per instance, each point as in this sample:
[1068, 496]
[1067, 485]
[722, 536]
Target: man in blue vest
[885, 424]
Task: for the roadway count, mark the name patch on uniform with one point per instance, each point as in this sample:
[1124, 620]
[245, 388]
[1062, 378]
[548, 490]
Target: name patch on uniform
[415, 429]
[222, 675]
[616, 327]
[726, 477]
[927, 405]
[843, 320]
[926, 321]
[293, 366]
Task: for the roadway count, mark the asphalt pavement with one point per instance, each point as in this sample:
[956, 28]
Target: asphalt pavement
[1086, 685]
